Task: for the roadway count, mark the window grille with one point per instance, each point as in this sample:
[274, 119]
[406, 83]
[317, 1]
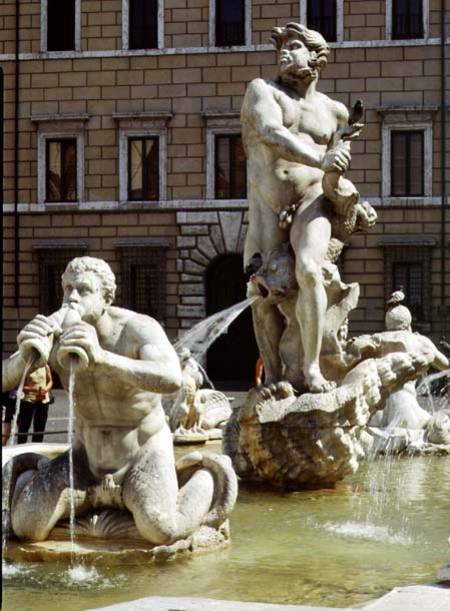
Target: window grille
[143, 169]
[61, 170]
[230, 167]
[321, 16]
[230, 22]
[60, 25]
[409, 268]
[144, 281]
[407, 19]
[143, 24]
[407, 163]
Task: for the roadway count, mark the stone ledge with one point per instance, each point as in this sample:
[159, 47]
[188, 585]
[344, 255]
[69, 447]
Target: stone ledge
[410, 598]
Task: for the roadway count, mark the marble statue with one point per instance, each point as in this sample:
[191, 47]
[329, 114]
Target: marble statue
[307, 425]
[403, 425]
[195, 414]
[297, 141]
[123, 453]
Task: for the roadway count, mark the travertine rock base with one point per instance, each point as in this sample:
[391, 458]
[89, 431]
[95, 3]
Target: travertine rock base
[115, 551]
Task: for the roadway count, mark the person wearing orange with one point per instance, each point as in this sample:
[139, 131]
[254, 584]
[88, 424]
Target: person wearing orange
[34, 405]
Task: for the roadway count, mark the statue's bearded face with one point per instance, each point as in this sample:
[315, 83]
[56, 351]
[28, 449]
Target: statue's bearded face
[83, 292]
[295, 60]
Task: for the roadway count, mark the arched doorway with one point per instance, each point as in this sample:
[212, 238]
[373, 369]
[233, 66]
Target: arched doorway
[231, 358]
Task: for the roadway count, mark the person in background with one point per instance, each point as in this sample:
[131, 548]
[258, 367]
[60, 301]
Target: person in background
[8, 408]
[34, 405]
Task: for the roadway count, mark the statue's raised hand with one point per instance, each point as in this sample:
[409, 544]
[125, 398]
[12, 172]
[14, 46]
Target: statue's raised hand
[37, 337]
[337, 159]
[82, 335]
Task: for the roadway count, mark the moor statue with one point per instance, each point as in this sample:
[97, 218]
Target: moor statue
[297, 142]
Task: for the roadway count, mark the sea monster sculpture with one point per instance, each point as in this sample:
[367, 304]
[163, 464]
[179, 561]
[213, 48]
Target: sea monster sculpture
[123, 461]
[195, 414]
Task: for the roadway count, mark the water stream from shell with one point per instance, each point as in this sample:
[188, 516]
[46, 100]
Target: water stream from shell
[71, 477]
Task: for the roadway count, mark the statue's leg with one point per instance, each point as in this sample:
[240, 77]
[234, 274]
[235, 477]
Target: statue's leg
[264, 236]
[268, 326]
[163, 513]
[310, 235]
[42, 497]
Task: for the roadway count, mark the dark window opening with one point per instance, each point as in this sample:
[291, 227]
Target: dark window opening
[60, 25]
[143, 24]
[407, 163]
[408, 276]
[143, 169]
[230, 167]
[407, 19]
[143, 281]
[230, 23]
[61, 170]
[408, 267]
[321, 16]
[231, 359]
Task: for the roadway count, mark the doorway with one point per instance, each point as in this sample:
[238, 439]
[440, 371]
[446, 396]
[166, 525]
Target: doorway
[232, 357]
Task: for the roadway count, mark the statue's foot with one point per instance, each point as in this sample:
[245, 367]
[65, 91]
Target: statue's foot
[316, 383]
[279, 390]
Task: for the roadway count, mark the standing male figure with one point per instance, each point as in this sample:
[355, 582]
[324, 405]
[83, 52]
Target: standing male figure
[123, 453]
[288, 128]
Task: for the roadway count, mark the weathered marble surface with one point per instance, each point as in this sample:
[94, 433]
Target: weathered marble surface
[195, 414]
[123, 457]
[297, 141]
[313, 440]
[403, 426]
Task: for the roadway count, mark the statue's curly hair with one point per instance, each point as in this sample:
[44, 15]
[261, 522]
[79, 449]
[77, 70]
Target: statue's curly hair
[312, 39]
[100, 268]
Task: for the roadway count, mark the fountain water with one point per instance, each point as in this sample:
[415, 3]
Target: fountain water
[200, 337]
[435, 402]
[70, 442]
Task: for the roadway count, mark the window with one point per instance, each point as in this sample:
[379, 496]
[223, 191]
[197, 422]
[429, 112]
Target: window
[321, 16]
[143, 280]
[142, 155]
[407, 266]
[407, 19]
[143, 168]
[143, 24]
[52, 258]
[407, 163]
[60, 25]
[230, 167]
[61, 170]
[408, 276]
[230, 23]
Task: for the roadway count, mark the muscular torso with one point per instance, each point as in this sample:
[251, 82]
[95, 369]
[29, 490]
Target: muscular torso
[275, 181]
[112, 420]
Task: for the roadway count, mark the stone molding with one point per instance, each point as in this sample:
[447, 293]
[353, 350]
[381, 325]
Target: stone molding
[204, 236]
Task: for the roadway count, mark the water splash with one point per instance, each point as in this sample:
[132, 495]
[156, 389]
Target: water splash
[367, 531]
[7, 471]
[10, 570]
[203, 334]
[70, 442]
[80, 573]
[424, 389]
